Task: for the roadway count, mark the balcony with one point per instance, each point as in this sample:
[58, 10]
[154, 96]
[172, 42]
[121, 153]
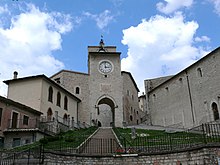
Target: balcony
[25, 123]
[30, 124]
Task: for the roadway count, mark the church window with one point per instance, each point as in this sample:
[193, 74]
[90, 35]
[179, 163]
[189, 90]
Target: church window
[131, 110]
[50, 94]
[77, 90]
[128, 92]
[65, 103]
[131, 118]
[132, 97]
[199, 72]
[215, 111]
[137, 122]
[49, 114]
[58, 98]
[167, 89]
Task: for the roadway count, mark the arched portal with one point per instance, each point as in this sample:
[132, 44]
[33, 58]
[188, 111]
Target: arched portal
[49, 114]
[106, 112]
[215, 111]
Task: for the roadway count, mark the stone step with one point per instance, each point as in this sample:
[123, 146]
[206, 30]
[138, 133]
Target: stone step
[104, 133]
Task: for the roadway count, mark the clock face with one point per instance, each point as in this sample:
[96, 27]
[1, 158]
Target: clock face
[105, 67]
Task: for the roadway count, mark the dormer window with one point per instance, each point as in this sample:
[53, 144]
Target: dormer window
[57, 80]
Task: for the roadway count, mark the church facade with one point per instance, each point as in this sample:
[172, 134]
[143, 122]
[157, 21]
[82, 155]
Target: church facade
[105, 96]
[109, 96]
[189, 98]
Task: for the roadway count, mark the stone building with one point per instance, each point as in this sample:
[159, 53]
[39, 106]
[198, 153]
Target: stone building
[105, 96]
[189, 98]
[109, 96]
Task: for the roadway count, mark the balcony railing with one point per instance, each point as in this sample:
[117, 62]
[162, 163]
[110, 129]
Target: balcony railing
[23, 123]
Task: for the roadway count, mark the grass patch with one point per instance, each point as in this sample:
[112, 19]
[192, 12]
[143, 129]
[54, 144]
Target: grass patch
[69, 139]
[157, 138]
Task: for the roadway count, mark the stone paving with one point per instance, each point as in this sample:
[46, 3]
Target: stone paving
[103, 142]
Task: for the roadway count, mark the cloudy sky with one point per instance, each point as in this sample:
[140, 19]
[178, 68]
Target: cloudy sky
[156, 37]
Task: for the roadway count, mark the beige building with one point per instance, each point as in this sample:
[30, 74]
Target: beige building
[189, 98]
[44, 95]
[105, 96]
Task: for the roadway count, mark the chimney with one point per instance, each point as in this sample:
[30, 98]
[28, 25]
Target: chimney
[15, 74]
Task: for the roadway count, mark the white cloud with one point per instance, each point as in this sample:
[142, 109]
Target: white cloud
[27, 45]
[117, 3]
[102, 19]
[160, 46]
[171, 6]
[4, 9]
[202, 39]
[216, 4]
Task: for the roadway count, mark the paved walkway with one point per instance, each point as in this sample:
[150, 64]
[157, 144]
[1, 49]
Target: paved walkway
[103, 142]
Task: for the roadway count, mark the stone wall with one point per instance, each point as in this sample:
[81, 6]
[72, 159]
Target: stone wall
[186, 100]
[205, 156]
[132, 112]
[70, 80]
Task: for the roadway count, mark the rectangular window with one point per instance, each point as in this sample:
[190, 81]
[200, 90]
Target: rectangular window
[128, 92]
[16, 142]
[14, 120]
[25, 120]
[1, 116]
[27, 141]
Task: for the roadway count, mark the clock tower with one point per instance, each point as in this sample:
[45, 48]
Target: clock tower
[105, 85]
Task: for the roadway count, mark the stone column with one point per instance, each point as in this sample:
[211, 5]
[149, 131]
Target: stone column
[56, 125]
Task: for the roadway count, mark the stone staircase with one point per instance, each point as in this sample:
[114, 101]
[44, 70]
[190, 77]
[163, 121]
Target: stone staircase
[103, 142]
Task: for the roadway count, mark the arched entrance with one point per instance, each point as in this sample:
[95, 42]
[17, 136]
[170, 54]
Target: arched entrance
[65, 118]
[49, 114]
[215, 111]
[106, 112]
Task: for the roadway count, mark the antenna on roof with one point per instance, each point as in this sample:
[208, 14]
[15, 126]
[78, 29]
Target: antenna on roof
[101, 44]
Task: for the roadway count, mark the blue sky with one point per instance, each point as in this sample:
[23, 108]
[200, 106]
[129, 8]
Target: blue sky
[156, 37]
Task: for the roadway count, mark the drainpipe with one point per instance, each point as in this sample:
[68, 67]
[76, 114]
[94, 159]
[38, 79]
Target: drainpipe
[77, 112]
[190, 97]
